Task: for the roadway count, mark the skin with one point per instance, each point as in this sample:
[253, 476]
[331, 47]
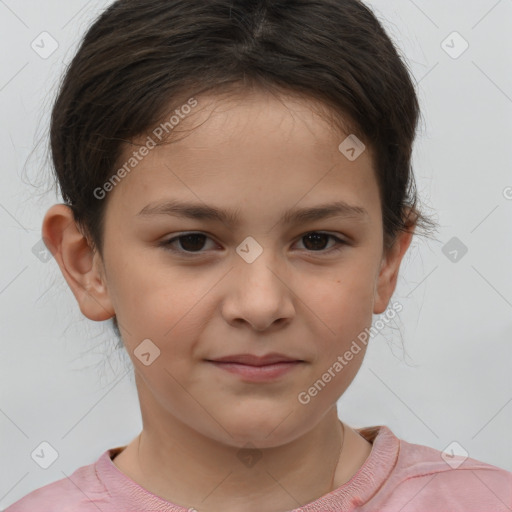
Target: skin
[260, 156]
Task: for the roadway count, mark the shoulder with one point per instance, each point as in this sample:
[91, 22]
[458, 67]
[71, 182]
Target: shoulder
[428, 479]
[78, 492]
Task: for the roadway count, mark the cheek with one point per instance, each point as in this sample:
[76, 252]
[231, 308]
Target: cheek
[168, 308]
[341, 304]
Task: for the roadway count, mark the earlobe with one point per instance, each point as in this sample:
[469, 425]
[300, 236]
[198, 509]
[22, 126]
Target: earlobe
[79, 264]
[388, 274]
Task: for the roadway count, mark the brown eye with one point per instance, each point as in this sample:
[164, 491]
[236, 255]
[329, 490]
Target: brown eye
[315, 241]
[192, 244]
[188, 243]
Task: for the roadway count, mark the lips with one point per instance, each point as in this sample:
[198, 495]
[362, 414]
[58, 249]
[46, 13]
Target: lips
[254, 360]
[254, 369]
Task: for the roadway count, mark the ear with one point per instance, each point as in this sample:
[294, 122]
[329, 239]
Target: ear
[80, 265]
[385, 283]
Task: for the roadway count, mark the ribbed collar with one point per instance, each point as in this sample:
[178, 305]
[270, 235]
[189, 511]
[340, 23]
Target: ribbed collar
[365, 483]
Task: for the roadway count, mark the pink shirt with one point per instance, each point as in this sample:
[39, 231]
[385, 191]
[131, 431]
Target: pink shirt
[396, 476]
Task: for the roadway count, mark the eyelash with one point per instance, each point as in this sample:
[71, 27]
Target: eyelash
[167, 244]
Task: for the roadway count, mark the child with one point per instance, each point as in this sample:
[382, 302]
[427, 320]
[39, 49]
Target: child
[259, 128]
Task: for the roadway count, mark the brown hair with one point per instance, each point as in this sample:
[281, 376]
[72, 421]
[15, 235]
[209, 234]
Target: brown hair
[141, 56]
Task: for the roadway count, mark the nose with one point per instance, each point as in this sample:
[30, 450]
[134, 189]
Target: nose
[259, 294]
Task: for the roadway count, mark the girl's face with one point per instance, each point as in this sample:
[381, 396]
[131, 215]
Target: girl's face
[253, 282]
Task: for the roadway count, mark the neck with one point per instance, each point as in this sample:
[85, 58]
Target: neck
[192, 470]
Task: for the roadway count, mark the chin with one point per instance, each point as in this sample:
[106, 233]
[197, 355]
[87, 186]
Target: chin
[263, 431]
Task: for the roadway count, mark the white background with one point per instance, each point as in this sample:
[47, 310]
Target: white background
[61, 379]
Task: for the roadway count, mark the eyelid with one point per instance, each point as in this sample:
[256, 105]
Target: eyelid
[340, 242]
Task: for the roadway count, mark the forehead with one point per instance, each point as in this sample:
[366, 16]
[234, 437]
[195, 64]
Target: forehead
[254, 149]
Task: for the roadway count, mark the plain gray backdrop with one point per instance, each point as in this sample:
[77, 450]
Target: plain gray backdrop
[64, 384]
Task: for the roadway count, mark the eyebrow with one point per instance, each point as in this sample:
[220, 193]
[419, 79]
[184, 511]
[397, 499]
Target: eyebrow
[199, 211]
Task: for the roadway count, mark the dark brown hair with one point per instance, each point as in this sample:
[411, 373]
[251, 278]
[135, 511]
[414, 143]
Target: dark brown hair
[141, 59]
